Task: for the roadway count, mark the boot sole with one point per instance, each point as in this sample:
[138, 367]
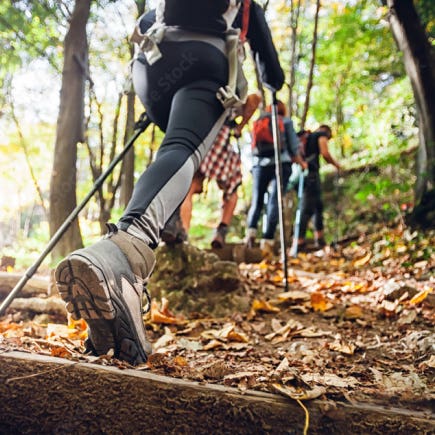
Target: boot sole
[89, 296]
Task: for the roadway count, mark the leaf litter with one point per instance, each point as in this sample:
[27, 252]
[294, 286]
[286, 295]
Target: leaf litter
[356, 324]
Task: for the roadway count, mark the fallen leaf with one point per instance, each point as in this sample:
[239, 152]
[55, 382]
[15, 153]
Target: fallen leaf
[330, 380]
[353, 312]
[430, 363]
[294, 295]
[165, 339]
[213, 344]
[420, 297]
[342, 347]
[299, 393]
[180, 361]
[319, 302]
[227, 333]
[285, 330]
[407, 317]
[362, 261]
[260, 305]
[162, 315]
[60, 352]
[312, 332]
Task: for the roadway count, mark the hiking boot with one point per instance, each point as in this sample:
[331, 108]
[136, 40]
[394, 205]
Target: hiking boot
[104, 284]
[174, 232]
[320, 243]
[267, 247]
[251, 235]
[220, 233]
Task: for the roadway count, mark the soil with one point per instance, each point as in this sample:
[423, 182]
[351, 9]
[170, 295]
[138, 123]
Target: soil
[354, 324]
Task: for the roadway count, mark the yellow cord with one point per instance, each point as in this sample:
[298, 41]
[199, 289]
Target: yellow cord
[307, 417]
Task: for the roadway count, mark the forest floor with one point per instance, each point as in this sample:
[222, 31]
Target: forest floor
[356, 324]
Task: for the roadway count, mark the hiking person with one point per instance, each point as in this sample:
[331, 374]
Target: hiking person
[264, 174]
[312, 205]
[223, 164]
[185, 76]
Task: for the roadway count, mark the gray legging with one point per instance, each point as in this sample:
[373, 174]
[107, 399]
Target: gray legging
[179, 94]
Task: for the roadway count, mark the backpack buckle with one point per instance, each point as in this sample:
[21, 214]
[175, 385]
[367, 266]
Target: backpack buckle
[228, 97]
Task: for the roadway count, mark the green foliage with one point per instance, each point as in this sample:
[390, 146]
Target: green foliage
[426, 12]
[360, 88]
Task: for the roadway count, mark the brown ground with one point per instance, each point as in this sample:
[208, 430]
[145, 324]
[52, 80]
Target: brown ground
[356, 325]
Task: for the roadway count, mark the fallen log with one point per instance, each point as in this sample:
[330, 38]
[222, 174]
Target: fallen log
[35, 285]
[50, 395]
[51, 305]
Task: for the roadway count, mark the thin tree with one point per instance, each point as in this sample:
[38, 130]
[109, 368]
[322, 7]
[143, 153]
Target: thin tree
[70, 129]
[294, 22]
[312, 64]
[127, 168]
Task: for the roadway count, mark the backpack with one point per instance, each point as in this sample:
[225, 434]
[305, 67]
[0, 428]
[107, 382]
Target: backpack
[303, 136]
[262, 136]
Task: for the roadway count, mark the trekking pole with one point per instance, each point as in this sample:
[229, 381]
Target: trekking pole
[278, 174]
[298, 214]
[337, 211]
[140, 127]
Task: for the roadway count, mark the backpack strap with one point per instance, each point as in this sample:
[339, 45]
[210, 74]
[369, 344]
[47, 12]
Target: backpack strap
[235, 39]
[245, 20]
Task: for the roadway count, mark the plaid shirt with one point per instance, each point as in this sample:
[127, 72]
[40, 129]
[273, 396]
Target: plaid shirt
[223, 164]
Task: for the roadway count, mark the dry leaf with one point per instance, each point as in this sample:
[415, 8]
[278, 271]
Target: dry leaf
[353, 312]
[60, 352]
[341, 346]
[164, 340]
[285, 330]
[319, 302]
[162, 315]
[180, 361]
[213, 344]
[420, 297]
[294, 295]
[260, 305]
[299, 393]
[362, 261]
[330, 380]
[389, 308]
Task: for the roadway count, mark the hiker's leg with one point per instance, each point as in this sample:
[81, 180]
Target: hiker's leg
[187, 205]
[163, 186]
[307, 210]
[261, 176]
[272, 205]
[228, 207]
[318, 219]
[105, 282]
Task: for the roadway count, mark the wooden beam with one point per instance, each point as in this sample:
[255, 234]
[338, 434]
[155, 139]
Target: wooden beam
[41, 394]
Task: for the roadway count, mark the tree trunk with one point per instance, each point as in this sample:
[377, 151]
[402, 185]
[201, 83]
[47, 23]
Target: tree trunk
[294, 19]
[313, 62]
[419, 61]
[127, 169]
[69, 132]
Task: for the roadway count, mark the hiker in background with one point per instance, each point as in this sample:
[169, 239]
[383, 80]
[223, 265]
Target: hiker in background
[264, 175]
[183, 75]
[312, 205]
[223, 164]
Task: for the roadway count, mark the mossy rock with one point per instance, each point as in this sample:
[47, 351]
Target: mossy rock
[196, 281]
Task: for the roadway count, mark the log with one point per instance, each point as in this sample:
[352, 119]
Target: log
[41, 394]
[35, 285]
[238, 253]
[51, 305]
